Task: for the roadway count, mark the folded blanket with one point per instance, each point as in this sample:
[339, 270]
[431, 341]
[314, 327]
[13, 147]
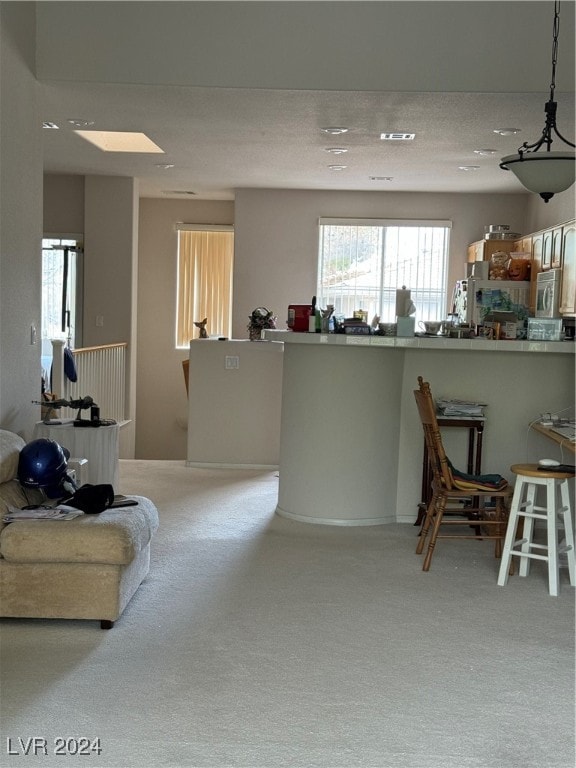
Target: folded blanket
[466, 482]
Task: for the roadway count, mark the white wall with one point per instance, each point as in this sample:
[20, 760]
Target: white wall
[63, 204]
[162, 408]
[542, 215]
[234, 413]
[111, 277]
[277, 236]
[21, 228]
[302, 45]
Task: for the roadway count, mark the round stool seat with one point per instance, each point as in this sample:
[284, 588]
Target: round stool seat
[533, 470]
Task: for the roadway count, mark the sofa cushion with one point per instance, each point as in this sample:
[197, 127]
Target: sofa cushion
[12, 495]
[10, 446]
[114, 536]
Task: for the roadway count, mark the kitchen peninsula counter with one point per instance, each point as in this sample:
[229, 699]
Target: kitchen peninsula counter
[421, 342]
[351, 442]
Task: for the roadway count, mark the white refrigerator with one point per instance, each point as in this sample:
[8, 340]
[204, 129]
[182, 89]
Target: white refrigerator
[474, 298]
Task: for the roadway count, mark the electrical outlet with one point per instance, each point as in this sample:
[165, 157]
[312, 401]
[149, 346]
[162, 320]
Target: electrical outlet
[99, 320]
[231, 362]
[33, 335]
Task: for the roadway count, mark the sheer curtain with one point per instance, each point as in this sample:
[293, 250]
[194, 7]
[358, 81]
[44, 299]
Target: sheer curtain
[205, 265]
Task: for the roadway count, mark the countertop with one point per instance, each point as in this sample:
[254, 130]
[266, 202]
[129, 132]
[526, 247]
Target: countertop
[422, 342]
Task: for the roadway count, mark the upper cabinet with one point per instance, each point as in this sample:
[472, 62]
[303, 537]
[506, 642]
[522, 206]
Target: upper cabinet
[482, 250]
[547, 249]
[553, 248]
[557, 246]
[568, 290]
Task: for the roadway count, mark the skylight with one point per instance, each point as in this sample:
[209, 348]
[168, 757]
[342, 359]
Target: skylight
[120, 141]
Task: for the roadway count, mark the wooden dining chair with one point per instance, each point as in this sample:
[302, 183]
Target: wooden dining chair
[480, 502]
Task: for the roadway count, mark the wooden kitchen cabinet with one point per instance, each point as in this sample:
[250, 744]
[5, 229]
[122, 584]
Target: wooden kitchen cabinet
[553, 248]
[482, 250]
[568, 289]
[557, 247]
[523, 244]
[537, 247]
[547, 249]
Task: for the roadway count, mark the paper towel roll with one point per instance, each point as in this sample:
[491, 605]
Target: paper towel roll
[403, 302]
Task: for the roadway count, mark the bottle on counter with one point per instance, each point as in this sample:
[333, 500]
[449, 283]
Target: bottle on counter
[312, 316]
[318, 321]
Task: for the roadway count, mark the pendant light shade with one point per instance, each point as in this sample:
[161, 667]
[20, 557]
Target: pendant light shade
[545, 173]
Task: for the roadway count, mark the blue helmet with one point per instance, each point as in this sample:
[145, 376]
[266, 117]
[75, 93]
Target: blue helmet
[42, 465]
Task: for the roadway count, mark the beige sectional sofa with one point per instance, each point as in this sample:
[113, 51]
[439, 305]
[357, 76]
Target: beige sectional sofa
[85, 568]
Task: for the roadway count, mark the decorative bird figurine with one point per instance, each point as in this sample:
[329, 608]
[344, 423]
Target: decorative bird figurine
[202, 326]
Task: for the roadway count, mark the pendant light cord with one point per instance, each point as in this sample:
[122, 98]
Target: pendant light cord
[550, 106]
[555, 33]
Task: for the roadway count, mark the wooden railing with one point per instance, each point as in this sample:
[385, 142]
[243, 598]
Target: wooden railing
[101, 374]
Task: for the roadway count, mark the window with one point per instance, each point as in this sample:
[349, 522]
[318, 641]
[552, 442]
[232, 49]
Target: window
[205, 266]
[61, 295]
[362, 262]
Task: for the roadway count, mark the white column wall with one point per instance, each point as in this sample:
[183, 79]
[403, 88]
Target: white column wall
[234, 412]
[351, 443]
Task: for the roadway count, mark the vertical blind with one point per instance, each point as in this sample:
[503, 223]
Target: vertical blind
[205, 267]
[362, 262]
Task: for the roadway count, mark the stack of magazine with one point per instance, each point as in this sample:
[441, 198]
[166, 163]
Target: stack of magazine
[463, 408]
[60, 512]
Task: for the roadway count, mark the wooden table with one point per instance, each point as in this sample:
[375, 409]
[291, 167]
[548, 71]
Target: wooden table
[547, 432]
[475, 427]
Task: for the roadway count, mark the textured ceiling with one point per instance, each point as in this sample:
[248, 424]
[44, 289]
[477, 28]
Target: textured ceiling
[221, 135]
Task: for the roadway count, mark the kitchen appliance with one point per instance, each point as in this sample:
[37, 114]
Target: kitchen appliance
[474, 299]
[548, 293]
[298, 315]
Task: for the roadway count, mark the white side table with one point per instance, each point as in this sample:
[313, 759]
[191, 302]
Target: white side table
[100, 445]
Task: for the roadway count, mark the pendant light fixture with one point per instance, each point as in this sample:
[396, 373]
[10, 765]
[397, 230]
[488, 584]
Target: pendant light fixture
[547, 172]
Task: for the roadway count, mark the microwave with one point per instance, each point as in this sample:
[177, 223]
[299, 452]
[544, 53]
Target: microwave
[548, 293]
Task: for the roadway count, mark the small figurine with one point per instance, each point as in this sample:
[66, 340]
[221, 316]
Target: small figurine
[202, 325]
[260, 319]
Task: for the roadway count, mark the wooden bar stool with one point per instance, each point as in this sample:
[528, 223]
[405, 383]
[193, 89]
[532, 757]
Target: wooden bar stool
[525, 510]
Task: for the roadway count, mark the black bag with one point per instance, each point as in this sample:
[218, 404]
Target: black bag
[91, 499]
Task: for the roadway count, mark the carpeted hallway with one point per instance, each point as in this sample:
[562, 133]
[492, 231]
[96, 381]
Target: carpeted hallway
[260, 642]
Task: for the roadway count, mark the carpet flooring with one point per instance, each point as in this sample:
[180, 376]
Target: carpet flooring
[260, 642]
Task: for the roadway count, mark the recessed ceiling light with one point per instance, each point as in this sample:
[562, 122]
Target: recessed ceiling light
[337, 167]
[506, 131]
[49, 125]
[120, 141]
[380, 178]
[484, 152]
[77, 123]
[336, 150]
[165, 166]
[468, 167]
[335, 130]
[398, 136]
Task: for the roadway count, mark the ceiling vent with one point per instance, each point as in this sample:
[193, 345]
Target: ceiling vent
[398, 136]
[178, 192]
[49, 125]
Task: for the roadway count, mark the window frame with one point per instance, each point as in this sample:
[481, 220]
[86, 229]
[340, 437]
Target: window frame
[430, 299]
[184, 325]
